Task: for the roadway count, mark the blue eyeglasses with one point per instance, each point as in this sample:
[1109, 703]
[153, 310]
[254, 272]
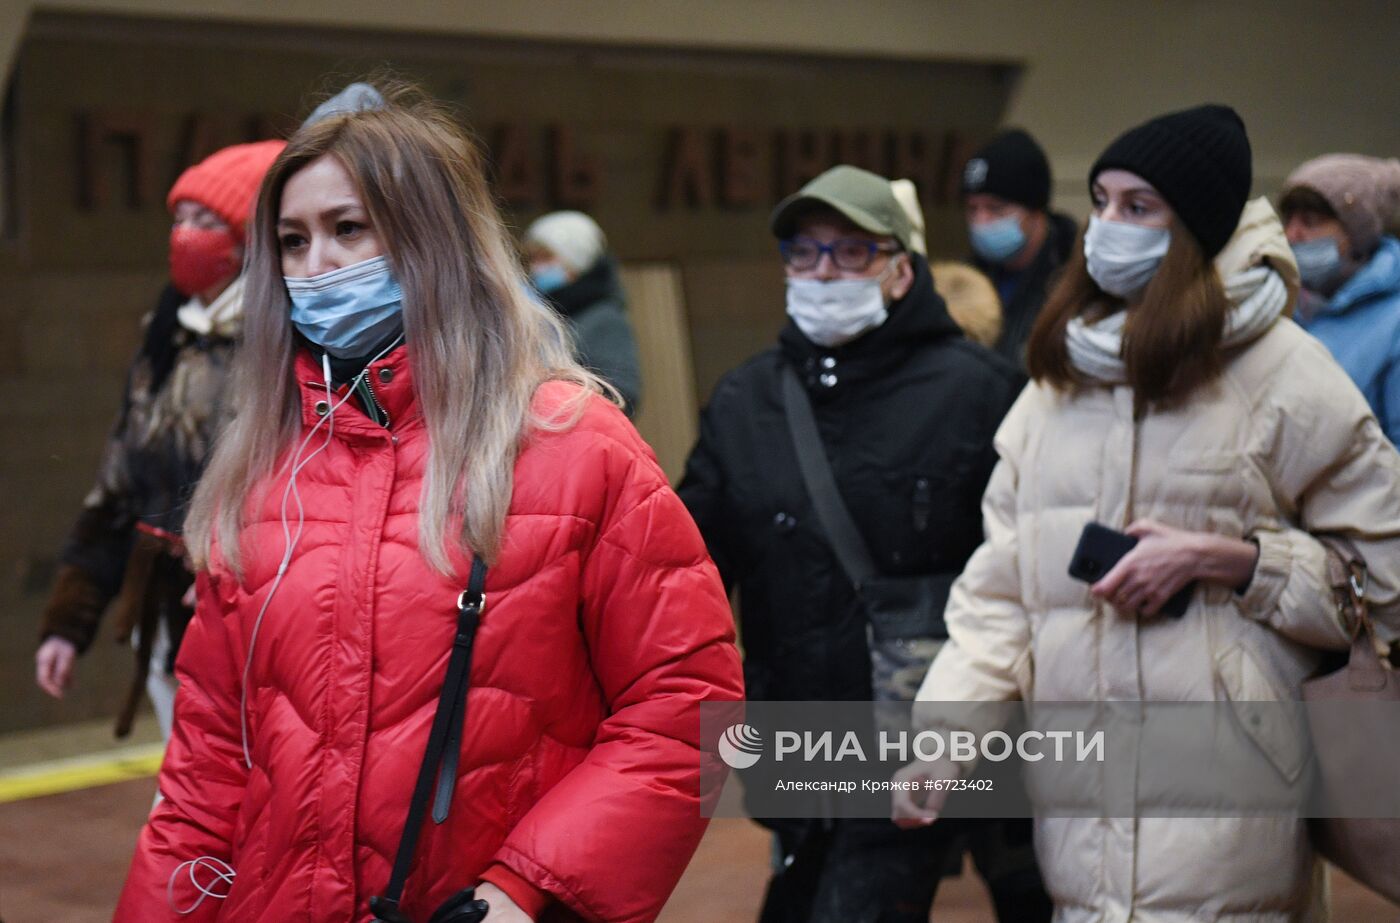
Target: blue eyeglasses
[850, 254]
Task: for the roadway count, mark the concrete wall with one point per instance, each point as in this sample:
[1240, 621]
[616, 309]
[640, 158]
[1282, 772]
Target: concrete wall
[1308, 76]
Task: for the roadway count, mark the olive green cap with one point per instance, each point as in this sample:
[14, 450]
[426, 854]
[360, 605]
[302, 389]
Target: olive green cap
[866, 199]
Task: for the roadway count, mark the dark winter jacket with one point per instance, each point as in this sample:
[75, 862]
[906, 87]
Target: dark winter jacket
[596, 308]
[125, 539]
[1023, 293]
[907, 413]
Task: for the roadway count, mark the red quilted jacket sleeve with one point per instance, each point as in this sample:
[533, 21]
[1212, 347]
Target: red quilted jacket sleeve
[202, 779]
[612, 838]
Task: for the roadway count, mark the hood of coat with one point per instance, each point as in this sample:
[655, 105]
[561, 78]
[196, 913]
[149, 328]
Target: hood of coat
[971, 299]
[1259, 241]
[1379, 276]
[915, 320]
[1064, 232]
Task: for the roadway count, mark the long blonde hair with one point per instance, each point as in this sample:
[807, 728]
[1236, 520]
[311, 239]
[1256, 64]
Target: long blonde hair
[479, 345]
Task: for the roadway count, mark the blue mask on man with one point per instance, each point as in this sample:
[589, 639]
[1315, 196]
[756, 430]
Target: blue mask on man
[997, 241]
[549, 278]
[348, 311]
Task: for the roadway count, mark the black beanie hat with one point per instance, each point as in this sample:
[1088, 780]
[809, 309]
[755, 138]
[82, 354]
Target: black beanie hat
[1198, 159]
[1011, 166]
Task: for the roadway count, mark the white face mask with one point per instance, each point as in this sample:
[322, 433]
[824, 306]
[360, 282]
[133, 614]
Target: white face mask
[833, 313]
[1122, 258]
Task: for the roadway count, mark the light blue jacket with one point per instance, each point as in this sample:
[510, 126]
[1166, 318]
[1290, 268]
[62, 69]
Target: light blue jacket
[1361, 327]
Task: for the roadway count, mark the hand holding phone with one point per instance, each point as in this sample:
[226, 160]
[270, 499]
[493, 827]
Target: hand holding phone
[1100, 548]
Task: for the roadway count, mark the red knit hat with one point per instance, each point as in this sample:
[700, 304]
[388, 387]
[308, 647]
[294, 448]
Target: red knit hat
[227, 181]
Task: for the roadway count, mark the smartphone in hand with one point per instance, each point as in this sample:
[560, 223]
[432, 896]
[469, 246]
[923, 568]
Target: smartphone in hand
[1100, 548]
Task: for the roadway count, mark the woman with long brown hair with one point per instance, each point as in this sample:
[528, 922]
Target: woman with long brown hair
[1173, 400]
[435, 565]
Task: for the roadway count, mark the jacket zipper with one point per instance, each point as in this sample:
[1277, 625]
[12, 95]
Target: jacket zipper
[381, 416]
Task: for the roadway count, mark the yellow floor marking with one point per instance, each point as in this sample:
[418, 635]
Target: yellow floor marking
[78, 772]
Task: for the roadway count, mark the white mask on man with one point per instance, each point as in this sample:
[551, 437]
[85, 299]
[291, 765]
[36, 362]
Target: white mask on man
[834, 312]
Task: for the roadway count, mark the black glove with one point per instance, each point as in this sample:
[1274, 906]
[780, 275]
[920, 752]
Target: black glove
[462, 907]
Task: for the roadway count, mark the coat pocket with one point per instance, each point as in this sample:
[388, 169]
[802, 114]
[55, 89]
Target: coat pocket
[1268, 718]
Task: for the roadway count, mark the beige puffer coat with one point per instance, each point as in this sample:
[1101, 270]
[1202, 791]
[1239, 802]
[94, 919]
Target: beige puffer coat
[1281, 446]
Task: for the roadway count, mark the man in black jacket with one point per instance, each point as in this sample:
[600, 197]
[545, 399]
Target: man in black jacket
[1016, 240]
[906, 408]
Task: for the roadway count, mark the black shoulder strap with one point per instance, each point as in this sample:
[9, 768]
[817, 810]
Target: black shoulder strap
[835, 518]
[439, 769]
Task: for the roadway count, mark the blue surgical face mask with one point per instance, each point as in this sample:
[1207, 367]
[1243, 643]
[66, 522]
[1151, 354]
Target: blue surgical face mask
[997, 241]
[348, 311]
[1122, 258]
[550, 277]
[1319, 261]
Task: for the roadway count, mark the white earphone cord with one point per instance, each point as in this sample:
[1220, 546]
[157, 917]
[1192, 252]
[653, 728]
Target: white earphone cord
[290, 541]
[224, 873]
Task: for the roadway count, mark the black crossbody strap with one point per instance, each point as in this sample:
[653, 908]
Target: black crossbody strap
[835, 518]
[439, 769]
[454, 692]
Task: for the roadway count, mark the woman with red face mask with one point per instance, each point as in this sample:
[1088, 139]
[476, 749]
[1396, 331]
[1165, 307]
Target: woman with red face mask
[126, 544]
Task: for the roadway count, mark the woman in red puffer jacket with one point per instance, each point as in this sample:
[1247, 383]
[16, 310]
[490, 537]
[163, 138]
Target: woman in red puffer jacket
[405, 411]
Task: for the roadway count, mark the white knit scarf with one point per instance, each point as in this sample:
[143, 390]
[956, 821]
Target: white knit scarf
[1257, 296]
[222, 318]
